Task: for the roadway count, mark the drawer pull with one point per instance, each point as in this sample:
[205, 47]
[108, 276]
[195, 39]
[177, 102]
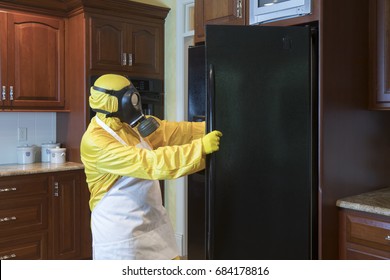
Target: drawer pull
[124, 59]
[387, 238]
[56, 189]
[239, 9]
[12, 189]
[11, 93]
[130, 61]
[3, 93]
[6, 219]
[6, 257]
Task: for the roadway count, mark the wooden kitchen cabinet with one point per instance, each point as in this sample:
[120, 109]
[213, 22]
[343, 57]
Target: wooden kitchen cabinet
[44, 216]
[363, 236]
[24, 223]
[65, 215]
[379, 54]
[122, 45]
[228, 12]
[236, 12]
[32, 62]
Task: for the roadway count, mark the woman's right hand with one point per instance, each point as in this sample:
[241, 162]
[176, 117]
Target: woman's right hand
[211, 142]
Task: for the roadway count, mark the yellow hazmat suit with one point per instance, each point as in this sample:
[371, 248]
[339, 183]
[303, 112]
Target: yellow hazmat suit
[106, 160]
[128, 220]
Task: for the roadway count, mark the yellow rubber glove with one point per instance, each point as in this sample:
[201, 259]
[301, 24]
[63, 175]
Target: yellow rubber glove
[211, 142]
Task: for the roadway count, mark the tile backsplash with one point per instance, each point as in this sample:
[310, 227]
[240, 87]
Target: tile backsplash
[41, 128]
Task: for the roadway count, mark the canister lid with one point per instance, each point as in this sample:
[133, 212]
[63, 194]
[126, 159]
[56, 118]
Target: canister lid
[57, 150]
[25, 148]
[51, 144]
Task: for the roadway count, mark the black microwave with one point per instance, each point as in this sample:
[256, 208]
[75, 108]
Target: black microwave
[261, 11]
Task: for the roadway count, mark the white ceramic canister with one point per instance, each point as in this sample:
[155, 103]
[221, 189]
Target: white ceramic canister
[26, 154]
[58, 155]
[45, 150]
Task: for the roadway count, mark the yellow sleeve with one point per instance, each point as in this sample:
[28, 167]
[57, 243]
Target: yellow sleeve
[167, 162]
[176, 133]
[104, 154]
[106, 160]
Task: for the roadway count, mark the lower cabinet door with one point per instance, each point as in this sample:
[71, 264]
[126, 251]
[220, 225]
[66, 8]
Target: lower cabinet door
[25, 214]
[364, 236]
[24, 247]
[65, 219]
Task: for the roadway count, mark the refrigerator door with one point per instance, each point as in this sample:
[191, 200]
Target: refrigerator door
[260, 184]
[196, 182]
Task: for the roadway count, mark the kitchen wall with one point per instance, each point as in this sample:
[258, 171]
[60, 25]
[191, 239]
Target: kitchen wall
[41, 128]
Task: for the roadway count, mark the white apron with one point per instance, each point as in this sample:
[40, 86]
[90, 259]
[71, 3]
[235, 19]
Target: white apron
[130, 222]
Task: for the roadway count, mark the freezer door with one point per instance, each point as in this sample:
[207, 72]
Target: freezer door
[196, 83]
[261, 183]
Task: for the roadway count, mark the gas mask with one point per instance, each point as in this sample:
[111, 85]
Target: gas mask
[130, 109]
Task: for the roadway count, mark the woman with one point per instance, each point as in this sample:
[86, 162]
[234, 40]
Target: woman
[125, 154]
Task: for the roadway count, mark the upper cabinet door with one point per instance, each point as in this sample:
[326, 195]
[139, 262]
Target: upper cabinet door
[3, 57]
[107, 44]
[380, 54]
[122, 46]
[145, 49]
[227, 12]
[35, 66]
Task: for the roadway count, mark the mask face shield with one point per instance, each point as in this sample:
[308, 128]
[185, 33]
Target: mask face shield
[130, 109]
[130, 106]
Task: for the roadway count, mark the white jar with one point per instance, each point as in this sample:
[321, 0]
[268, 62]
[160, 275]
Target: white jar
[45, 150]
[58, 155]
[26, 154]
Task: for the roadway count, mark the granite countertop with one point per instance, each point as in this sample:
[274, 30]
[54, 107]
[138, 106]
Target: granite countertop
[377, 202]
[34, 168]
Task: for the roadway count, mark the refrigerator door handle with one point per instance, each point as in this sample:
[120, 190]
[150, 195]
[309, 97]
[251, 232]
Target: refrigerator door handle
[210, 162]
[198, 118]
[210, 99]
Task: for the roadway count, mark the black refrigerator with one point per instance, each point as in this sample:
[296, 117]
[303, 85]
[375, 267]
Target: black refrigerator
[257, 197]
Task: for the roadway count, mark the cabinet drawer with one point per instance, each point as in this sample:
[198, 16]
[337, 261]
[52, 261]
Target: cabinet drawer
[23, 214]
[31, 247]
[23, 185]
[372, 232]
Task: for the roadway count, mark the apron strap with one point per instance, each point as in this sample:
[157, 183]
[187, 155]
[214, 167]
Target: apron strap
[109, 130]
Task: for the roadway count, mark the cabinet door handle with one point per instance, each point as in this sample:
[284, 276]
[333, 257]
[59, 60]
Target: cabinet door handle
[387, 238]
[56, 189]
[239, 8]
[130, 59]
[6, 257]
[10, 189]
[124, 59]
[7, 219]
[3, 93]
[11, 93]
